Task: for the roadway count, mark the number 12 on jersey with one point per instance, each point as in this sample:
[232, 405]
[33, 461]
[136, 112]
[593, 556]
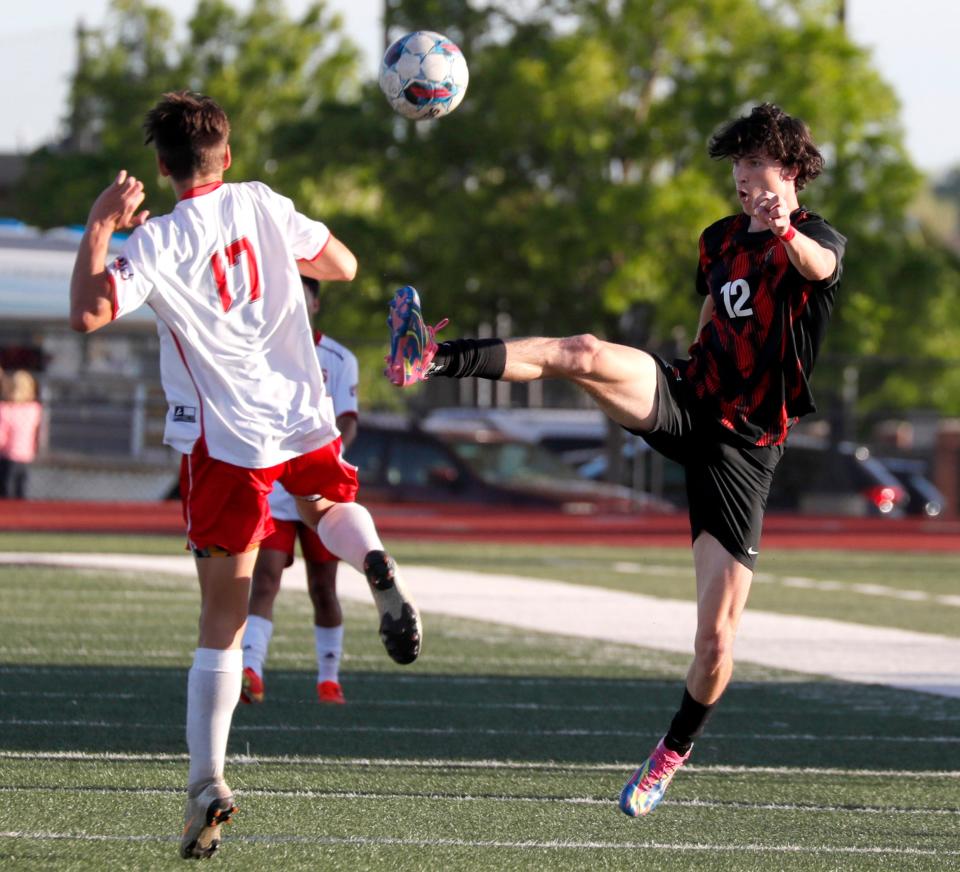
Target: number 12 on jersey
[232, 253]
[736, 295]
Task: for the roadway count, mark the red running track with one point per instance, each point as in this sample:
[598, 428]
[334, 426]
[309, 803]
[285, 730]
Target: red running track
[494, 524]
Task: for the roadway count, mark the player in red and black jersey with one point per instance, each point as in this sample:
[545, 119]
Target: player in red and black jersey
[769, 277]
[763, 319]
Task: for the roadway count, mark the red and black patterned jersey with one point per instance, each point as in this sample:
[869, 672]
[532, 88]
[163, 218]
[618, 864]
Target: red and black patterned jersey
[751, 364]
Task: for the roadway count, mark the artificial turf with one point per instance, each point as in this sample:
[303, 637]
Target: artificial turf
[499, 749]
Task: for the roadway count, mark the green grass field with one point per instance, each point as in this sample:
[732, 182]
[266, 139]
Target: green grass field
[498, 750]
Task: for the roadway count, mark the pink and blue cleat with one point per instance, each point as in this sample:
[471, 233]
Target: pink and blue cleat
[643, 792]
[412, 342]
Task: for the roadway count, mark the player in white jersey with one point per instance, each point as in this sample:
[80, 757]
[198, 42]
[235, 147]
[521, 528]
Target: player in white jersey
[246, 400]
[340, 375]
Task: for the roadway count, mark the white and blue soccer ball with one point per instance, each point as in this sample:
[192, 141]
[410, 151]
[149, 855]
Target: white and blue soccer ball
[424, 75]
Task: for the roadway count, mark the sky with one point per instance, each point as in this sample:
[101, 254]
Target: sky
[915, 52]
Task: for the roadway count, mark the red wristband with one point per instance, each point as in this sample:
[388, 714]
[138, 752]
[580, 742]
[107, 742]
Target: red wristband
[791, 232]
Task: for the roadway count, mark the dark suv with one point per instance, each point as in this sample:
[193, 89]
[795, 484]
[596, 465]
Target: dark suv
[923, 496]
[811, 478]
[814, 478]
[401, 464]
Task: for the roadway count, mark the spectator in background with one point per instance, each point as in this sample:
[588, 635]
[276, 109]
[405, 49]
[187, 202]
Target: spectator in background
[20, 416]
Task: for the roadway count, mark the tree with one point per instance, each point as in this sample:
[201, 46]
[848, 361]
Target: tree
[568, 189]
[579, 157]
[264, 67]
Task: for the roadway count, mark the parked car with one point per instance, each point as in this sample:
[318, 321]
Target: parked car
[572, 434]
[923, 497]
[402, 464]
[811, 478]
[815, 478]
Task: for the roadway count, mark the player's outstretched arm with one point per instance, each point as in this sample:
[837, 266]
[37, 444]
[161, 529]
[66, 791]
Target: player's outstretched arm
[336, 263]
[91, 302]
[809, 257]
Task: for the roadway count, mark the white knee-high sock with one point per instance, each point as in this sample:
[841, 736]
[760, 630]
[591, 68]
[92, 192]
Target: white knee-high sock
[348, 531]
[329, 648]
[213, 689]
[256, 642]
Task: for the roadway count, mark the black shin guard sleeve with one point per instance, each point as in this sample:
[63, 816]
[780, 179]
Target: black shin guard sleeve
[687, 724]
[466, 358]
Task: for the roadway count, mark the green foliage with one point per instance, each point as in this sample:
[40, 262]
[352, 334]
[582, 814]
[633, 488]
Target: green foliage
[265, 68]
[568, 189]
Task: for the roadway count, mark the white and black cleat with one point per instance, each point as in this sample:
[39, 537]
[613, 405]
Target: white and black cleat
[400, 629]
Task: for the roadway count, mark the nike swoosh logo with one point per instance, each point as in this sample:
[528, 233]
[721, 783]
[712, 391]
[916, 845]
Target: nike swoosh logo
[752, 551]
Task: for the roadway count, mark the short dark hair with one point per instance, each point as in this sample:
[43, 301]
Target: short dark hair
[190, 132]
[311, 285]
[769, 130]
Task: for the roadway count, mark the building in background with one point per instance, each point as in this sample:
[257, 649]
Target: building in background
[104, 408]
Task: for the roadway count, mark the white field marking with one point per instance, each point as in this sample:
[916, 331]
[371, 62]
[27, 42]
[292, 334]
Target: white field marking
[276, 793]
[470, 731]
[73, 695]
[55, 621]
[306, 657]
[470, 680]
[625, 567]
[559, 845]
[849, 652]
[380, 702]
[802, 582]
[453, 765]
[83, 651]
[375, 703]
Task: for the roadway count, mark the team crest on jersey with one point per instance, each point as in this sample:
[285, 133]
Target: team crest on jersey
[185, 414]
[122, 267]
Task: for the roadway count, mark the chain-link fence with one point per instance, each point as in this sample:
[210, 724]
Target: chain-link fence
[104, 414]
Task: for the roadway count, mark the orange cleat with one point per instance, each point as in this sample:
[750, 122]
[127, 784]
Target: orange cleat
[330, 692]
[251, 688]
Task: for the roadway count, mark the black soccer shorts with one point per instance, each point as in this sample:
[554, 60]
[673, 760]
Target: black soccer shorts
[727, 480]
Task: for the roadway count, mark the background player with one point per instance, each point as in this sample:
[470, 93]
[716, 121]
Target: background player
[340, 376]
[245, 395]
[769, 276]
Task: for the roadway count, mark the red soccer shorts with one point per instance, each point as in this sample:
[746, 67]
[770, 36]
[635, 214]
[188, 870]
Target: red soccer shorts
[226, 505]
[284, 538]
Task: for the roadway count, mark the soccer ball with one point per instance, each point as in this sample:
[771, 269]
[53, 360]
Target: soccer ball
[424, 75]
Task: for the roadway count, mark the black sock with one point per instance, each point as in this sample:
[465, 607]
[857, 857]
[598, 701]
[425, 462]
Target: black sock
[687, 724]
[463, 358]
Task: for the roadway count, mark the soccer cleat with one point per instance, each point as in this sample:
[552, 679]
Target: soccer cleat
[412, 342]
[251, 687]
[331, 692]
[204, 815]
[643, 792]
[400, 629]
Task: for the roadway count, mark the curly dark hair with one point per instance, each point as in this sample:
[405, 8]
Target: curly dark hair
[770, 131]
[190, 132]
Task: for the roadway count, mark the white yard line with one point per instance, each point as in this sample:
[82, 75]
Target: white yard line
[299, 760]
[846, 651]
[504, 798]
[526, 845]
[572, 732]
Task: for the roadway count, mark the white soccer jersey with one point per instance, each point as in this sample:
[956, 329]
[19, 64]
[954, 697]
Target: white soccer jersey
[236, 348]
[340, 377]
